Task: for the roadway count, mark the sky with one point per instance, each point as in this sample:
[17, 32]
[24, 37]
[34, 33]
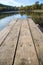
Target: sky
[19, 2]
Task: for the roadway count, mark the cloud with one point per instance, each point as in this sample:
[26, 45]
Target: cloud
[10, 2]
[18, 2]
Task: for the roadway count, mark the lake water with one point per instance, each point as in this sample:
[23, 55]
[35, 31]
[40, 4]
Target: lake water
[6, 18]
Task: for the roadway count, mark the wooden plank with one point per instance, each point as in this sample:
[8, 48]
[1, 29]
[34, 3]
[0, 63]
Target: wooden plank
[8, 47]
[37, 39]
[25, 54]
[6, 31]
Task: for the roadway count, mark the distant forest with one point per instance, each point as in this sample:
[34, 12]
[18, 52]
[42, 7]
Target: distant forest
[35, 6]
[8, 8]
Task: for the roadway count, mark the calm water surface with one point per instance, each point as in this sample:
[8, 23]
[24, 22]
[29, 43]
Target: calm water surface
[5, 19]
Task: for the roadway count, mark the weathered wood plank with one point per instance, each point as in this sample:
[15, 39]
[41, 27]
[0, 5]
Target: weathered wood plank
[6, 31]
[37, 39]
[25, 54]
[8, 47]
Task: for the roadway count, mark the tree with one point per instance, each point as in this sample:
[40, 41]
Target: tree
[37, 4]
[42, 7]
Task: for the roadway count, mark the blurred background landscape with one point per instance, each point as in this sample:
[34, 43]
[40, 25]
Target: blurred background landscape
[35, 11]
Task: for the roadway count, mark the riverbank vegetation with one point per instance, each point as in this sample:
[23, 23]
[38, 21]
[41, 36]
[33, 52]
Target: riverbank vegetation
[4, 8]
[33, 8]
[35, 11]
[30, 8]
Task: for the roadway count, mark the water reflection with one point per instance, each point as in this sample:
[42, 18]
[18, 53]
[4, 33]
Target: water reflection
[5, 18]
[37, 17]
[4, 21]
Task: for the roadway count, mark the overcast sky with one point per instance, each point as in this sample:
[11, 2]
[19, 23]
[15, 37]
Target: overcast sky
[19, 2]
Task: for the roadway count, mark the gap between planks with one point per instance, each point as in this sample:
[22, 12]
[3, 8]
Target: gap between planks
[25, 54]
[8, 48]
[6, 31]
[37, 37]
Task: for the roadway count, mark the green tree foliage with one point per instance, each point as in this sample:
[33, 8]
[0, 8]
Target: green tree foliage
[35, 6]
[8, 8]
[42, 6]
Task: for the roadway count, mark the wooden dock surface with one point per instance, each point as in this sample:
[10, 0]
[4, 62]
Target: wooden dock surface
[21, 43]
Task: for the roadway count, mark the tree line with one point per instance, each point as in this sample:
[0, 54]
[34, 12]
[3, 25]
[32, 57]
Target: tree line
[36, 6]
[8, 8]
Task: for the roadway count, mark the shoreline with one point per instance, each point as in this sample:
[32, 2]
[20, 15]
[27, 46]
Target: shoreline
[35, 11]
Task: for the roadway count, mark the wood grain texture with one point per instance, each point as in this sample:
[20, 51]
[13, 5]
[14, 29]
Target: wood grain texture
[8, 47]
[6, 31]
[37, 36]
[25, 54]
[21, 43]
